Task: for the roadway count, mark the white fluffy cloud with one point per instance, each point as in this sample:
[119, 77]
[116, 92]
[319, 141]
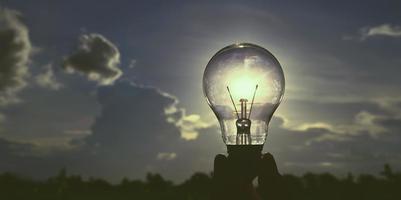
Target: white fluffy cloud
[97, 58]
[15, 51]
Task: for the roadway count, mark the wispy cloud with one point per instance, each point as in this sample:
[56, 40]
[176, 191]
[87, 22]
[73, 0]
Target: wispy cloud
[383, 30]
[47, 79]
[166, 156]
[132, 63]
[189, 125]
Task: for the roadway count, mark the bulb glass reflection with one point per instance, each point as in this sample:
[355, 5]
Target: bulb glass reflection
[244, 84]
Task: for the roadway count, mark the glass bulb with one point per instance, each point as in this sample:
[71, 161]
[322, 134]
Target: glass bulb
[244, 85]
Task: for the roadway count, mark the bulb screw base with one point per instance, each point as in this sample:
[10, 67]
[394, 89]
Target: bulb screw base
[244, 150]
[245, 160]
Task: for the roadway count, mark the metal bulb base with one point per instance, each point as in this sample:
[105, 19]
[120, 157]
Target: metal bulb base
[244, 150]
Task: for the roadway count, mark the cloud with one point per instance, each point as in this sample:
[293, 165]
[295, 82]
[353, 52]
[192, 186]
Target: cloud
[166, 156]
[318, 146]
[9, 148]
[15, 51]
[46, 116]
[78, 132]
[132, 135]
[350, 117]
[381, 30]
[133, 105]
[308, 150]
[47, 79]
[26, 159]
[187, 124]
[132, 64]
[307, 126]
[129, 110]
[97, 58]
[364, 123]
[366, 136]
[392, 125]
[384, 30]
[140, 128]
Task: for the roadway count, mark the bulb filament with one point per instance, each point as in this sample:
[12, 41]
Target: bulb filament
[243, 123]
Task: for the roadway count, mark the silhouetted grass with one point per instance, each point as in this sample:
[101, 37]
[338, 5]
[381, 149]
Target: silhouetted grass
[198, 187]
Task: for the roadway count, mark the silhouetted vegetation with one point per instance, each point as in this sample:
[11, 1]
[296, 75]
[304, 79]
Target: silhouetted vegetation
[309, 186]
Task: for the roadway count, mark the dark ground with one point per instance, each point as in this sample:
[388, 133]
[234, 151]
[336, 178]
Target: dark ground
[309, 187]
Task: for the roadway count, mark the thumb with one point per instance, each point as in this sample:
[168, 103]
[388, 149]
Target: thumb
[268, 167]
[220, 163]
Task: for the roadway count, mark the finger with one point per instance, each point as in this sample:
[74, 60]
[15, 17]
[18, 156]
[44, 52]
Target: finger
[220, 162]
[270, 184]
[219, 186]
[268, 166]
[268, 172]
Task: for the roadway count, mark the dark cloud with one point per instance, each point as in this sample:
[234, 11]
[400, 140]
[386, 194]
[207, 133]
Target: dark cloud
[27, 159]
[133, 130]
[334, 112]
[369, 140]
[15, 50]
[11, 154]
[97, 58]
[50, 117]
[9, 148]
[392, 124]
[321, 149]
[129, 111]
[132, 135]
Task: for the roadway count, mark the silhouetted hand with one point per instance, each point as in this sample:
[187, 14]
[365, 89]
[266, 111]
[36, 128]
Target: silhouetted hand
[233, 177]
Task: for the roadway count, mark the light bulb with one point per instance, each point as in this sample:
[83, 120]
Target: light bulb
[244, 84]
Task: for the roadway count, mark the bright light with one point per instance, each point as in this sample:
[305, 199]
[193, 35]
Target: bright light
[242, 83]
[243, 70]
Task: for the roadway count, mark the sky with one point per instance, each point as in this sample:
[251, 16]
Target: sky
[113, 89]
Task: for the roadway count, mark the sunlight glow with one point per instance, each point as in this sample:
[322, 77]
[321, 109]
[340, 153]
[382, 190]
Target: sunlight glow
[242, 83]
